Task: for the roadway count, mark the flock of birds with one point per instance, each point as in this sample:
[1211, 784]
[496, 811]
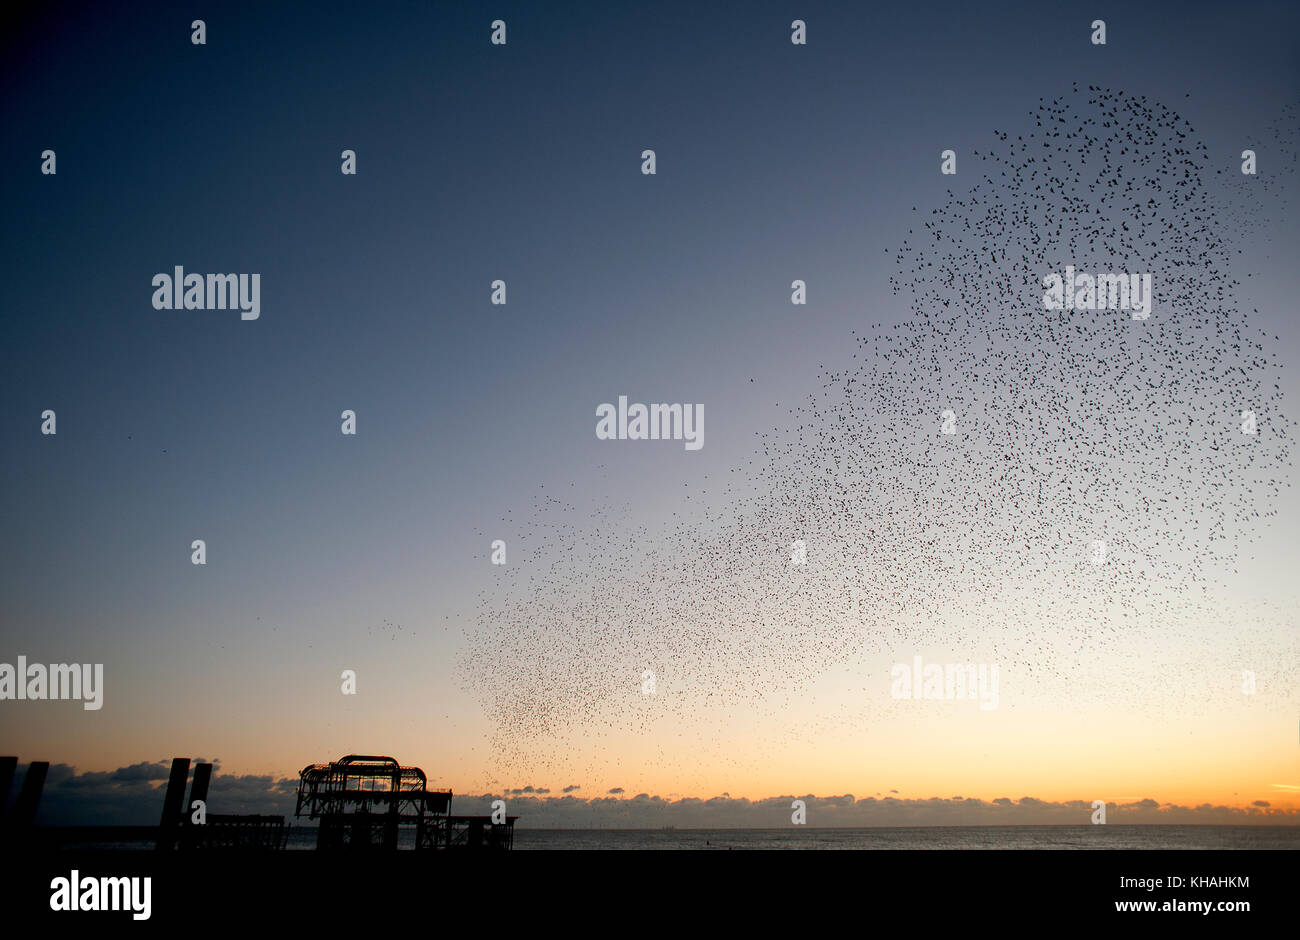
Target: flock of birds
[1069, 429]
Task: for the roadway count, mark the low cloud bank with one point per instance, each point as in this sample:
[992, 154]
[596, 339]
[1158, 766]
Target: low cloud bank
[133, 795]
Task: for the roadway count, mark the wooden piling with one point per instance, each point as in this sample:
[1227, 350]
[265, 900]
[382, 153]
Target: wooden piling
[7, 767]
[171, 814]
[30, 795]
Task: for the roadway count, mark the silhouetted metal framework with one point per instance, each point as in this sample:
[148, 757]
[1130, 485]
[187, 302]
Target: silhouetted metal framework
[363, 801]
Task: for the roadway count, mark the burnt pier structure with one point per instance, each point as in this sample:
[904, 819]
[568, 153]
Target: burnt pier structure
[368, 802]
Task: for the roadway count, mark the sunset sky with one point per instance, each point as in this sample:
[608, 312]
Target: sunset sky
[370, 553]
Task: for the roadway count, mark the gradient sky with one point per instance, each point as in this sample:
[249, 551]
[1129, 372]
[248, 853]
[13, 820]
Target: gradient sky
[521, 163]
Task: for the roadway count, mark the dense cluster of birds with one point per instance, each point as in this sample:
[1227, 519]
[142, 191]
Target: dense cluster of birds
[1095, 486]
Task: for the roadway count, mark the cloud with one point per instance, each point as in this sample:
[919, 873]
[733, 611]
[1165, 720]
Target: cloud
[159, 770]
[133, 795]
[646, 811]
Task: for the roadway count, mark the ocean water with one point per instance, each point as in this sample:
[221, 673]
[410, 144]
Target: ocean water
[303, 838]
[920, 837]
[915, 837]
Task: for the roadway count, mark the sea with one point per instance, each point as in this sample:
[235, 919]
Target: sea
[944, 838]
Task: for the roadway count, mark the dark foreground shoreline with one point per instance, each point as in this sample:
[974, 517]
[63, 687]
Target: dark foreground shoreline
[602, 888]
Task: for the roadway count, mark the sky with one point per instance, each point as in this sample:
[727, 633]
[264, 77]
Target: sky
[523, 162]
